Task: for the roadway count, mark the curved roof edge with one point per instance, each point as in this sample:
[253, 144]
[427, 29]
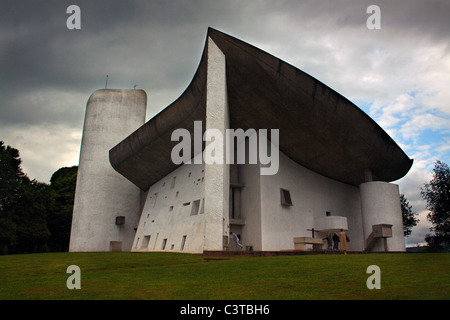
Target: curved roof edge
[318, 128]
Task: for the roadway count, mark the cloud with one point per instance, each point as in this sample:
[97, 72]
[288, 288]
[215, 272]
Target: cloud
[45, 105]
[44, 149]
[419, 232]
[421, 122]
[393, 113]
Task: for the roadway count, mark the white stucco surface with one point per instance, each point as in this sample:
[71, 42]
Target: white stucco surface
[101, 193]
[381, 205]
[312, 196]
[174, 208]
[216, 175]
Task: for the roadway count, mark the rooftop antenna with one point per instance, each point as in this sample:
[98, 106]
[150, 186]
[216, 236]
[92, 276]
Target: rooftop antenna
[106, 85]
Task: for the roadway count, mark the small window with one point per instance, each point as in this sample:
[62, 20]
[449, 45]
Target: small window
[145, 242]
[328, 213]
[195, 207]
[171, 208]
[173, 182]
[183, 241]
[120, 220]
[202, 207]
[163, 245]
[285, 196]
[137, 242]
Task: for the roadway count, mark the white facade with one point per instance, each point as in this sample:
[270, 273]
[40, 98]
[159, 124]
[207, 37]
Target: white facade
[174, 217]
[380, 205]
[101, 193]
[312, 197]
[197, 206]
[216, 175]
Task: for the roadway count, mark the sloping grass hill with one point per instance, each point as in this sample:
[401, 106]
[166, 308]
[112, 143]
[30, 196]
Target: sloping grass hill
[190, 277]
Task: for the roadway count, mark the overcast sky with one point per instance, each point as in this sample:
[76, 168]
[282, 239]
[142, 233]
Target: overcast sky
[399, 74]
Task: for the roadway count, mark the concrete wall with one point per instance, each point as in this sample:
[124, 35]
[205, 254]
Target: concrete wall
[173, 210]
[380, 203]
[101, 193]
[217, 175]
[312, 196]
[272, 226]
[267, 224]
[250, 206]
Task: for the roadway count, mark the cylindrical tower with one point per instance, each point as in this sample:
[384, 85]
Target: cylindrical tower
[380, 204]
[106, 204]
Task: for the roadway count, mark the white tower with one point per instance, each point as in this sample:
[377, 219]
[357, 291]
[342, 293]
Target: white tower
[106, 205]
[380, 205]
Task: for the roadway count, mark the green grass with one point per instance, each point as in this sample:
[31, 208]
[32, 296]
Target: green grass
[184, 276]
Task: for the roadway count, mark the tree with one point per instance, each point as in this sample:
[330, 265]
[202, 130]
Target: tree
[59, 221]
[11, 177]
[34, 216]
[23, 206]
[31, 212]
[409, 220]
[437, 194]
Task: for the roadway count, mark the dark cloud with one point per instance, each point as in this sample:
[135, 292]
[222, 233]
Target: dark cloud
[157, 44]
[152, 44]
[418, 19]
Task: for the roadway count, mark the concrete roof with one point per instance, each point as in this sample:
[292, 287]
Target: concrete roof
[319, 128]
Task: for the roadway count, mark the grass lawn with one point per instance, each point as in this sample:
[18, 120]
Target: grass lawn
[190, 277]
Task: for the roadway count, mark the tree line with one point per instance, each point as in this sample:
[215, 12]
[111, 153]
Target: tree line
[37, 217]
[34, 216]
[436, 193]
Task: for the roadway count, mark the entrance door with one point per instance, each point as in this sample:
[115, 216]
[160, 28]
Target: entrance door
[115, 246]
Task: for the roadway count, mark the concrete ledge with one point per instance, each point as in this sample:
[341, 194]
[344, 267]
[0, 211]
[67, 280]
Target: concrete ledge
[301, 242]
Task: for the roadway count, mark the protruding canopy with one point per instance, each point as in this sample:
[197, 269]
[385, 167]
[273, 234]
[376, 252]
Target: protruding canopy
[318, 128]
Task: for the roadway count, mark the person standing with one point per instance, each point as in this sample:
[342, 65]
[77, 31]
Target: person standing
[343, 241]
[329, 239]
[335, 241]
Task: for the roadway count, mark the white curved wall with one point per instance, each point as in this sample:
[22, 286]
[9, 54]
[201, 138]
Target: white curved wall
[330, 224]
[380, 204]
[102, 193]
[312, 196]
